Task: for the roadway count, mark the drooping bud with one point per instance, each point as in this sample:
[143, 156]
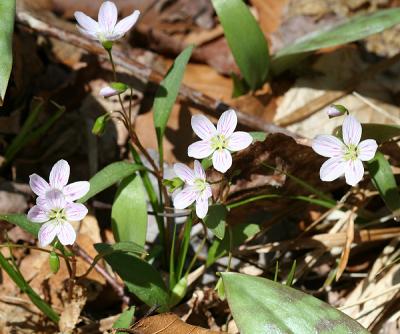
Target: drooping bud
[100, 125]
[173, 184]
[115, 88]
[54, 262]
[335, 110]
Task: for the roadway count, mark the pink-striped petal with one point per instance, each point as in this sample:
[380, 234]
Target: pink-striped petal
[367, 149]
[332, 169]
[328, 146]
[75, 211]
[199, 172]
[351, 130]
[354, 172]
[127, 23]
[66, 234]
[227, 123]
[87, 33]
[239, 140]
[222, 160]
[203, 127]
[185, 197]
[48, 232]
[55, 199]
[38, 185]
[108, 16]
[200, 149]
[184, 173]
[76, 190]
[37, 214]
[59, 174]
[201, 206]
[86, 22]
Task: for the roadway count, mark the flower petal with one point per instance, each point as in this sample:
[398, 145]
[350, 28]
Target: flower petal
[185, 197]
[222, 160]
[332, 169]
[76, 190]
[108, 15]
[239, 140]
[367, 149]
[48, 232]
[184, 173]
[86, 22]
[227, 123]
[203, 127]
[38, 185]
[66, 234]
[200, 149]
[54, 199]
[328, 146]
[87, 33]
[59, 174]
[199, 172]
[37, 214]
[75, 211]
[201, 206]
[354, 172]
[127, 23]
[351, 130]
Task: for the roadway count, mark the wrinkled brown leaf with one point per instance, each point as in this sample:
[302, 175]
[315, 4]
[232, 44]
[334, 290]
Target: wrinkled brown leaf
[72, 310]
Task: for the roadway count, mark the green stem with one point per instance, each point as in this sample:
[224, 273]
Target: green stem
[172, 272]
[184, 247]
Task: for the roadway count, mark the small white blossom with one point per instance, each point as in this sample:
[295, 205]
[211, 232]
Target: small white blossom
[196, 188]
[106, 29]
[56, 213]
[59, 176]
[346, 156]
[218, 142]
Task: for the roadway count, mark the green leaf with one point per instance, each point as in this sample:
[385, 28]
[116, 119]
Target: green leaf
[259, 305]
[178, 291]
[258, 135]
[125, 319]
[168, 92]
[129, 211]
[245, 39]
[216, 220]
[290, 277]
[123, 246]
[23, 222]
[384, 181]
[108, 176]
[7, 14]
[139, 277]
[380, 132]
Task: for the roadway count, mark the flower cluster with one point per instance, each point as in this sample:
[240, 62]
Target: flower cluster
[216, 143]
[345, 156]
[55, 205]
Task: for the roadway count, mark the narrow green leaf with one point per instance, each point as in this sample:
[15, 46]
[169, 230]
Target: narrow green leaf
[354, 29]
[108, 176]
[168, 92]
[7, 15]
[23, 222]
[216, 220]
[290, 277]
[380, 132]
[129, 211]
[184, 247]
[140, 277]
[123, 246]
[384, 181]
[245, 39]
[259, 305]
[258, 135]
[178, 291]
[125, 319]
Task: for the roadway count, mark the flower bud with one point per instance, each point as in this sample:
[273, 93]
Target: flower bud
[173, 184]
[100, 125]
[107, 44]
[54, 262]
[335, 110]
[115, 88]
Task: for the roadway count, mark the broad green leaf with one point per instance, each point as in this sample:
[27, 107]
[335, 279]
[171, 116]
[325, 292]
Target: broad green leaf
[354, 29]
[129, 211]
[259, 305]
[245, 39]
[125, 319]
[216, 220]
[123, 246]
[140, 277]
[240, 233]
[384, 181]
[258, 135]
[108, 176]
[7, 15]
[23, 222]
[380, 132]
[167, 94]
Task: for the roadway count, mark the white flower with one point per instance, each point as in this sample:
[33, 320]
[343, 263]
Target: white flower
[106, 29]
[345, 156]
[218, 142]
[59, 176]
[196, 188]
[56, 213]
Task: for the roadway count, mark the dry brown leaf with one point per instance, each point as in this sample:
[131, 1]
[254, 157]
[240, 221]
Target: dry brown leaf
[346, 250]
[72, 310]
[167, 323]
